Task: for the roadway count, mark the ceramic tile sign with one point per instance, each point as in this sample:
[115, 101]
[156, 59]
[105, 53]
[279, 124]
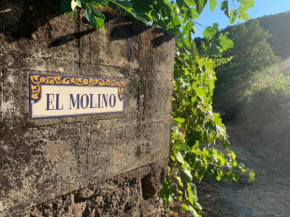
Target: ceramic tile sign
[55, 96]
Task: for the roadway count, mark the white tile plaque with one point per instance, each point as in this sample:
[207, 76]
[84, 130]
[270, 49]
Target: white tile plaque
[55, 96]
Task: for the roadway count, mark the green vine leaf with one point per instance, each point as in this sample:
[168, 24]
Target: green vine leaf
[247, 3]
[251, 177]
[179, 120]
[192, 211]
[184, 207]
[197, 206]
[190, 194]
[225, 42]
[210, 31]
[200, 4]
[212, 4]
[127, 7]
[75, 4]
[225, 8]
[179, 157]
[186, 175]
[242, 12]
[99, 3]
[96, 18]
[234, 16]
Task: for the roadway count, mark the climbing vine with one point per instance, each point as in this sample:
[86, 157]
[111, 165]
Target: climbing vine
[195, 129]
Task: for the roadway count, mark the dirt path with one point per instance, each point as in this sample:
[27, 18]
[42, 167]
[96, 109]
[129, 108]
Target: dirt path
[268, 196]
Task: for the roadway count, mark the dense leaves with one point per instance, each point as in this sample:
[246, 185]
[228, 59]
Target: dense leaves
[251, 54]
[267, 109]
[195, 129]
[92, 9]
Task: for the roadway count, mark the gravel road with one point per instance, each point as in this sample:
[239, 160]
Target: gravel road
[269, 195]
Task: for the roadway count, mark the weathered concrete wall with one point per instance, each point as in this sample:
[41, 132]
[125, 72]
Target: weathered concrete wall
[45, 159]
[130, 194]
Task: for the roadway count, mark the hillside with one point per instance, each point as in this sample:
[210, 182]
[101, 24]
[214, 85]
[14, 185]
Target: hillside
[278, 26]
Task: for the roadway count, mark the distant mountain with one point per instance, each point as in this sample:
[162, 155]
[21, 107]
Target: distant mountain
[278, 25]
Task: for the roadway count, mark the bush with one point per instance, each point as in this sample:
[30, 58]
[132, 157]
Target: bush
[267, 108]
[251, 55]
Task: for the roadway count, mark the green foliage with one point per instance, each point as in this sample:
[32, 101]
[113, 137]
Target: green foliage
[251, 54]
[225, 8]
[195, 129]
[268, 104]
[266, 117]
[212, 4]
[200, 4]
[251, 177]
[225, 42]
[92, 9]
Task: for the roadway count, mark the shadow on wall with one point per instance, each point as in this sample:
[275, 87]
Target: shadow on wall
[19, 19]
[129, 30]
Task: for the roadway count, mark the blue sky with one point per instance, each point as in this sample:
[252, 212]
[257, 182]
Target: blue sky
[261, 8]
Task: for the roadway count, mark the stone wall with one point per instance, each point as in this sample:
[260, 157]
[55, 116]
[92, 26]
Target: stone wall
[106, 165]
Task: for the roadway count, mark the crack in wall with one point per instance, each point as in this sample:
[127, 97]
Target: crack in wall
[2, 96]
[88, 152]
